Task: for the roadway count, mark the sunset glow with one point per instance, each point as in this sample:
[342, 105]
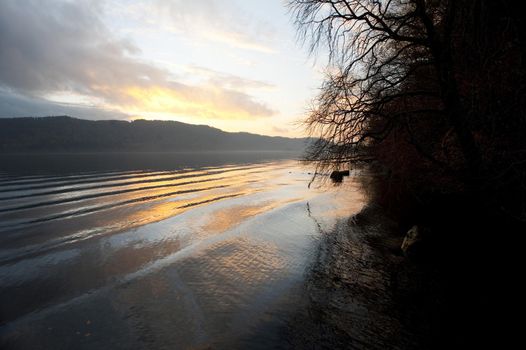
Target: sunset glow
[235, 65]
[209, 104]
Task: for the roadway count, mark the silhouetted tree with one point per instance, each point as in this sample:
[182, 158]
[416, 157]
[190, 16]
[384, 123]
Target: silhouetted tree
[377, 48]
[421, 90]
[429, 95]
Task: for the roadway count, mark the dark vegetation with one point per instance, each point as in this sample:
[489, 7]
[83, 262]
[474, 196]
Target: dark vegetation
[66, 134]
[427, 96]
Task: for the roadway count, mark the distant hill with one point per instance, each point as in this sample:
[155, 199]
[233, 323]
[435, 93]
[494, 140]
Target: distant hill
[66, 134]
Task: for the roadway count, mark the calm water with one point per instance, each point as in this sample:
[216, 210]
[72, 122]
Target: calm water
[157, 251]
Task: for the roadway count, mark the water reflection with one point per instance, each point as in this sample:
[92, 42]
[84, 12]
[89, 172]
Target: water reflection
[182, 259]
[37, 165]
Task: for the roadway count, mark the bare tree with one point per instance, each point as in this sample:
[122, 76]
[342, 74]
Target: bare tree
[429, 92]
[377, 50]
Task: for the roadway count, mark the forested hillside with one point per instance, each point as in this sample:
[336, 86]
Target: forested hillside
[66, 134]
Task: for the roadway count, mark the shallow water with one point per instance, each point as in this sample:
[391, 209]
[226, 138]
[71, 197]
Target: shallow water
[172, 256]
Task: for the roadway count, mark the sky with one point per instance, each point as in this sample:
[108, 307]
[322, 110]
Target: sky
[233, 64]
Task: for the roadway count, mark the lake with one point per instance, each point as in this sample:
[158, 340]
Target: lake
[154, 251]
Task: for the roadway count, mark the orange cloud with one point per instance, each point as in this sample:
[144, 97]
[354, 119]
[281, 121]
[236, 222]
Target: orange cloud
[206, 102]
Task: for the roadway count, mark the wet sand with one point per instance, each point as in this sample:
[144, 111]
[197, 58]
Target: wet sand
[363, 294]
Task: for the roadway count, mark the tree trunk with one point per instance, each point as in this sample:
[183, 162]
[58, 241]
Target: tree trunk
[444, 65]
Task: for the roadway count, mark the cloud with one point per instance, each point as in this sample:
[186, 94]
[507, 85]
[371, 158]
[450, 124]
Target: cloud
[64, 47]
[280, 130]
[228, 80]
[222, 21]
[208, 103]
[14, 105]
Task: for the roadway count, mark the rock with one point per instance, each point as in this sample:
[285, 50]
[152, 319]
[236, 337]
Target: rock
[337, 175]
[413, 242]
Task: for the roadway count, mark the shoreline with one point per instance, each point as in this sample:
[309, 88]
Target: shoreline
[362, 293]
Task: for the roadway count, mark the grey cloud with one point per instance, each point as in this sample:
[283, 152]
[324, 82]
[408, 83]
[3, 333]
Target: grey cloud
[64, 46]
[14, 105]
